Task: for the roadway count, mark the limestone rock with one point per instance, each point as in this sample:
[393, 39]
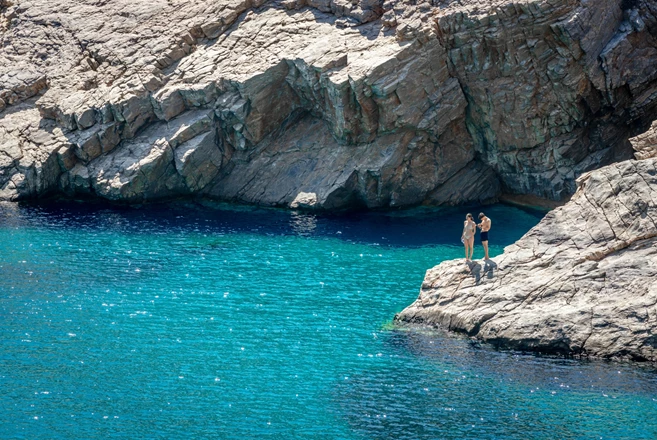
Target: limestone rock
[645, 144]
[175, 158]
[393, 170]
[304, 200]
[18, 85]
[582, 282]
[198, 160]
[399, 103]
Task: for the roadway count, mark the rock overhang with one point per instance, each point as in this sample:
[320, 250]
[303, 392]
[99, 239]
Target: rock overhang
[510, 86]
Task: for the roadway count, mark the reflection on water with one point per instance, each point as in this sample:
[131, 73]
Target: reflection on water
[527, 370]
[412, 228]
[461, 390]
[179, 322]
[303, 224]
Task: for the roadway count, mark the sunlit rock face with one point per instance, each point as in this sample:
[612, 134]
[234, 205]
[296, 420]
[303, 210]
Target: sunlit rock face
[645, 144]
[362, 104]
[581, 282]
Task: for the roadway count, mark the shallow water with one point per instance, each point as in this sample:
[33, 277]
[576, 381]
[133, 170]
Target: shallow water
[186, 322]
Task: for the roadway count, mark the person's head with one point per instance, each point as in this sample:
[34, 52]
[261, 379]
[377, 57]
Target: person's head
[481, 215]
[468, 216]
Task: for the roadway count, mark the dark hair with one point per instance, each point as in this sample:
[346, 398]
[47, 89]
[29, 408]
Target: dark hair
[468, 215]
[481, 215]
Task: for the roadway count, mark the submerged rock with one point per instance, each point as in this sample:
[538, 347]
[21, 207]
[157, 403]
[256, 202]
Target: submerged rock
[361, 103]
[582, 282]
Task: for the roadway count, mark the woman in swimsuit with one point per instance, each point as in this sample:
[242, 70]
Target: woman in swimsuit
[467, 237]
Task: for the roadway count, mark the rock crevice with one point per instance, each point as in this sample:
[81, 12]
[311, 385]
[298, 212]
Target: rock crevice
[369, 103]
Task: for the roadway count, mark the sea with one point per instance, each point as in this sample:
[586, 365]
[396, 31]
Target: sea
[210, 321]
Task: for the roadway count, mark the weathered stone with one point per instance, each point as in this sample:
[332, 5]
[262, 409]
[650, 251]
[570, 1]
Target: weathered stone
[17, 85]
[87, 119]
[66, 158]
[304, 200]
[109, 137]
[78, 179]
[87, 145]
[517, 97]
[582, 282]
[308, 159]
[645, 144]
[168, 104]
[198, 160]
[135, 172]
[190, 125]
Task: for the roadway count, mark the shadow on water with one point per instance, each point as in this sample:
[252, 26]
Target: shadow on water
[157, 306]
[517, 396]
[532, 370]
[405, 228]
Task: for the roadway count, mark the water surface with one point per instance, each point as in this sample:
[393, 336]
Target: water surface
[187, 322]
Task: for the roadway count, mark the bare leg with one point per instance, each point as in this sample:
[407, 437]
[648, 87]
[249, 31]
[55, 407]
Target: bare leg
[485, 243]
[465, 245]
[471, 244]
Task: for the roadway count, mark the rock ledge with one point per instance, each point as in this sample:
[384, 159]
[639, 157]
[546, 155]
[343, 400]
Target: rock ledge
[582, 282]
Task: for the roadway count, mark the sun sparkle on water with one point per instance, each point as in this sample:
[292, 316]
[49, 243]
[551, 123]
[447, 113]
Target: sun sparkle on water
[185, 322]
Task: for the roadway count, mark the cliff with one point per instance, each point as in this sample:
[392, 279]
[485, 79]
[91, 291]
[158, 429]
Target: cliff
[320, 103]
[582, 282]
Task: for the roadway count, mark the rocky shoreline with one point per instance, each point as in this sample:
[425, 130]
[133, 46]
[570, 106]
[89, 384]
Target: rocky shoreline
[582, 282]
[366, 104]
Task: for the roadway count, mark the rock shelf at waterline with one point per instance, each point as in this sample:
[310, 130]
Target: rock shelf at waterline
[581, 282]
[320, 104]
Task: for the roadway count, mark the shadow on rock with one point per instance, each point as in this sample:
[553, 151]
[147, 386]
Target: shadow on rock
[489, 268]
[477, 270]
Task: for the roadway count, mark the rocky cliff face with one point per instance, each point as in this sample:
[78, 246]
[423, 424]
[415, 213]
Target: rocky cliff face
[645, 144]
[320, 103]
[582, 282]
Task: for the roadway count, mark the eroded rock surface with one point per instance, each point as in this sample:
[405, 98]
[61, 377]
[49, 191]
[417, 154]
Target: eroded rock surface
[364, 103]
[583, 281]
[645, 144]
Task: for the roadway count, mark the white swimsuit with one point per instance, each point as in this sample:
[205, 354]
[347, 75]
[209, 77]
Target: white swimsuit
[468, 232]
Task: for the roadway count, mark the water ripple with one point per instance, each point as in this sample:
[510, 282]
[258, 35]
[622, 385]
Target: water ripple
[179, 322]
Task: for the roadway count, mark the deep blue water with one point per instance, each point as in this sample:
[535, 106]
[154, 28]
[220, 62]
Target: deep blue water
[187, 322]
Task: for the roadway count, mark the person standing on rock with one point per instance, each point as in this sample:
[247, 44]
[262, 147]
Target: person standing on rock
[485, 227]
[467, 237]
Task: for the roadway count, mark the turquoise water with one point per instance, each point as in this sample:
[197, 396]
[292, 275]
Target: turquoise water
[188, 322]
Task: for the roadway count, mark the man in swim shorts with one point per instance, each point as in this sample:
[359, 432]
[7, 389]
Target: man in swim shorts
[485, 227]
